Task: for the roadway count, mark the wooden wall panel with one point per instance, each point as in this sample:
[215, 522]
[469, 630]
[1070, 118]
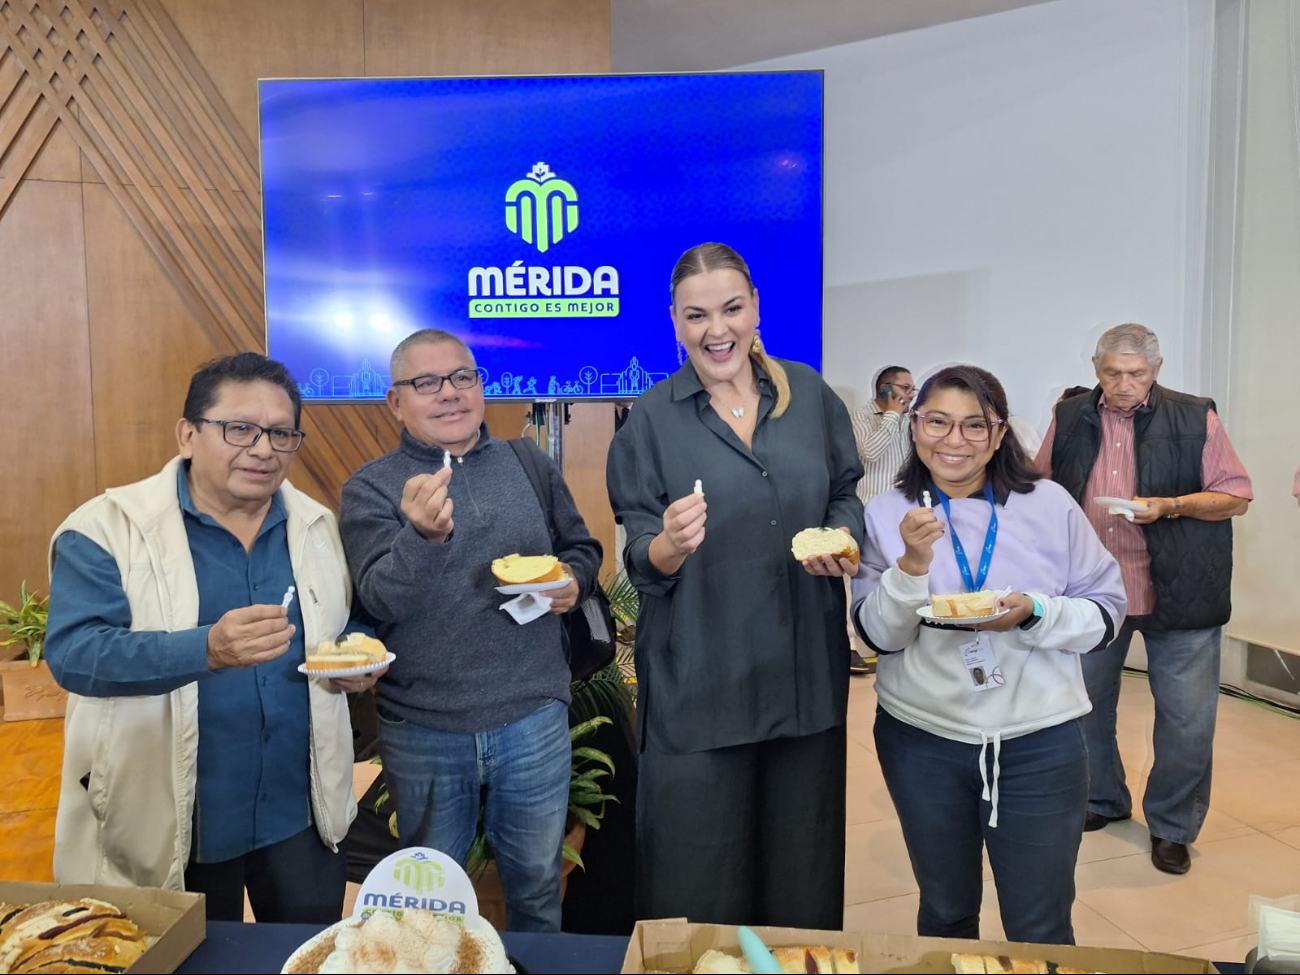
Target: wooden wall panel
[586, 447]
[59, 159]
[147, 101]
[485, 37]
[507, 420]
[145, 345]
[32, 143]
[45, 394]
[238, 42]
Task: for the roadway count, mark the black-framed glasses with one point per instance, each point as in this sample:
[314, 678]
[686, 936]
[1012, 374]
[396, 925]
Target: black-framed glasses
[432, 383]
[239, 433]
[974, 429]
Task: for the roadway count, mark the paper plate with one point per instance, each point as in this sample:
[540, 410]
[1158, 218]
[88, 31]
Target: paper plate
[524, 587]
[927, 613]
[1125, 503]
[347, 671]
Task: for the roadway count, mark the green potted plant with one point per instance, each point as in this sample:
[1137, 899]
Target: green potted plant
[586, 799]
[28, 686]
[26, 623]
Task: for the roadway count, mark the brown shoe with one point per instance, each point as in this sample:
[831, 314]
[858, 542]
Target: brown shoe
[1169, 856]
[858, 666]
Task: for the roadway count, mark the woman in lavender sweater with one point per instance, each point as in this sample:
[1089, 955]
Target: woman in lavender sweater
[977, 728]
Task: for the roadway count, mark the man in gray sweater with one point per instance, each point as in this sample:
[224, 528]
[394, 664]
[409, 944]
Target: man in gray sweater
[474, 710]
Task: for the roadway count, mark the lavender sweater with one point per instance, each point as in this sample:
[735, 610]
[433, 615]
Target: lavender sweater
[1045, 548]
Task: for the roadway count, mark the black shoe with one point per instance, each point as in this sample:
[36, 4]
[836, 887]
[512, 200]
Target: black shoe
[1094, 821]
[1169, 856]
[859, 666]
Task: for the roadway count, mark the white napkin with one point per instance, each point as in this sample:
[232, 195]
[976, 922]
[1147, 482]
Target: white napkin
[528, 607]
[1279, 934]
[1122, 512]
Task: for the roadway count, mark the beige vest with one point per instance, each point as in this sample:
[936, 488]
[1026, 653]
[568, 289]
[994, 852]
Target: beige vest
[130, 763]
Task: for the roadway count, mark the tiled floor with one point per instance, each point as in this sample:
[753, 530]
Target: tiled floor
[1250, 843]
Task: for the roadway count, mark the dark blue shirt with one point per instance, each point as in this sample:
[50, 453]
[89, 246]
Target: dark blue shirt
[253, 761]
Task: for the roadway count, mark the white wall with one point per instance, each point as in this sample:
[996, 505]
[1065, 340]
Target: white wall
[1001, 190]
[1265, 341]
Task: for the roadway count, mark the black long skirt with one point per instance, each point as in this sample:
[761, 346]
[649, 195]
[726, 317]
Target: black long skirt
[751, 834]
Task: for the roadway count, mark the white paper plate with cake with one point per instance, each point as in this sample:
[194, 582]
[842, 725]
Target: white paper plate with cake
[353, 656]
[963, 608]
[519, 574]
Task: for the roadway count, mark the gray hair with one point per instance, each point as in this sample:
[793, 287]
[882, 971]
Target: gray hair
[425, 336]
[1130, 339]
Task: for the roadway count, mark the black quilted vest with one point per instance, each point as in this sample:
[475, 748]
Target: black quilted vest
[1191, 560]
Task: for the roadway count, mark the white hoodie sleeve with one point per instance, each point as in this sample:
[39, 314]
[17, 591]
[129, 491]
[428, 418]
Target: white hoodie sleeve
[885, 600]
[888, 615]
[1091, 610]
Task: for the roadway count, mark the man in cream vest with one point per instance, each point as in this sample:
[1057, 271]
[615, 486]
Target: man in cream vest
[195, 755]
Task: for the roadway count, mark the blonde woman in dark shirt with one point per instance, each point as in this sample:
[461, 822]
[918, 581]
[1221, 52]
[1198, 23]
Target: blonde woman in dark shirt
[742, 654]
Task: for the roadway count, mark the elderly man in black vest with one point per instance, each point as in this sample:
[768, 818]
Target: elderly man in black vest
[1131, 438]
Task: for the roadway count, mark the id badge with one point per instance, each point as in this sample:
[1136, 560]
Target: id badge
[982, 664]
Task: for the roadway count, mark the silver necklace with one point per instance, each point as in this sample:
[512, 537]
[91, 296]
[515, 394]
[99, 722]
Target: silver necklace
[737, 411]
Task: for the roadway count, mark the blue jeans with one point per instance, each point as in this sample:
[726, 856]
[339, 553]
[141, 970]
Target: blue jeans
[520, 776]
[1183, 666]
[1043, 790]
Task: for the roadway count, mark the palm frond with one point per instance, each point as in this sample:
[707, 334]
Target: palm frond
[605, 692]
[624, 599]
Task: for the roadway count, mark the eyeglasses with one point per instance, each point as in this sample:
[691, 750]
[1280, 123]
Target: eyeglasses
[430, 384]
[938, 426]
[237, 433]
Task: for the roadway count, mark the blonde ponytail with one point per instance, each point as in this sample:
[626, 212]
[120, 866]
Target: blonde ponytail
[775, 371]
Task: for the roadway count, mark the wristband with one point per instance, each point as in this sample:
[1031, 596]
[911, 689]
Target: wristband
[1035, 616]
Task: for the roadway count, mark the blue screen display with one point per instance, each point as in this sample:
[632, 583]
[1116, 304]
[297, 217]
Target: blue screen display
[537, 218]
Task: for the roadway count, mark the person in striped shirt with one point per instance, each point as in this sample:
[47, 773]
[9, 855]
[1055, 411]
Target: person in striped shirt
[882, 436]
[1133, 438]
[883, 444]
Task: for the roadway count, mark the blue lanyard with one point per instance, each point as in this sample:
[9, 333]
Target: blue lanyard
[963, 564]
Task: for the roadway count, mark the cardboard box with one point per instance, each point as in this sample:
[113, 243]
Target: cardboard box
[177, 919]
[675, 945]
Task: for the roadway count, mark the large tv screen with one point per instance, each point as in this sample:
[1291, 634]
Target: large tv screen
[537, 218]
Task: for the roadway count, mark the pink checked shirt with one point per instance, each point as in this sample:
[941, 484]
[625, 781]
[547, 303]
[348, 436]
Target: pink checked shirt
[1115, 476]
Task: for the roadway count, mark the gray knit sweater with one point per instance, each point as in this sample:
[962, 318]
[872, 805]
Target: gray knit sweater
[463, 665]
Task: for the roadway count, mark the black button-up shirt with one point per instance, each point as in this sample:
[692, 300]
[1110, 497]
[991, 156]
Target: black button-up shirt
[741, 644]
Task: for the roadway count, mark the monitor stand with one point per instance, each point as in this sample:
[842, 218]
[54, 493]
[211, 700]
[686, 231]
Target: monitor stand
[551, 415]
